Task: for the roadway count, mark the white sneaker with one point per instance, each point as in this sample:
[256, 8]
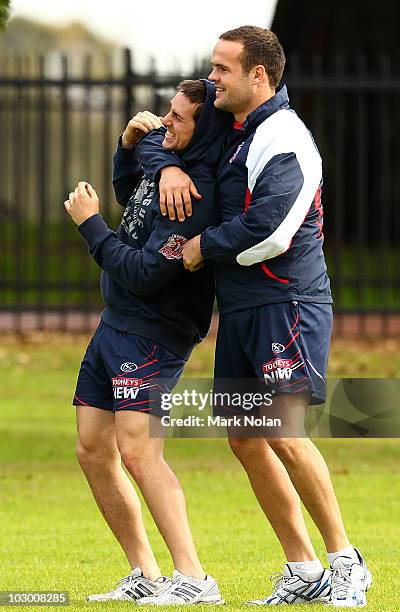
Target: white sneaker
[132, 587]
[185, 590]
[290, 588]
[350, 581]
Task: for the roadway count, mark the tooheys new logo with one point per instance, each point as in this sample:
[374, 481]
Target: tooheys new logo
[126, 388]
[277, 369]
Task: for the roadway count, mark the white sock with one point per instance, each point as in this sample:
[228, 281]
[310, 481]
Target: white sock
[345, 552]
[307, 570]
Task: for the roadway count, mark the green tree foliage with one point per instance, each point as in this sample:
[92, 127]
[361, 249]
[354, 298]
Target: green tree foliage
[4, 13]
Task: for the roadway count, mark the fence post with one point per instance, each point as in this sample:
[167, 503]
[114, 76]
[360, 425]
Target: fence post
[129, 79]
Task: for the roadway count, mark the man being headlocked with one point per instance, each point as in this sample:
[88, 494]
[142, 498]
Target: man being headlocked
[155, 312]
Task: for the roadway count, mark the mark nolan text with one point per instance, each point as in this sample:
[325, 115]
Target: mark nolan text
[220, 421]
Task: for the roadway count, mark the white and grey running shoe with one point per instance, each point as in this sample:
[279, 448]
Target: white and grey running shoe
[133, 587]
[185, 590]
[290, 588]
[350, 581]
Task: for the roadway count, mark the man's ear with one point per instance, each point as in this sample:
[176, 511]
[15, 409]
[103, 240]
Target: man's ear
[259, 74]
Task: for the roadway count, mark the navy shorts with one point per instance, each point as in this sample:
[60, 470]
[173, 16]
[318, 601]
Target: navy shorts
[122, 371]
[283, 347]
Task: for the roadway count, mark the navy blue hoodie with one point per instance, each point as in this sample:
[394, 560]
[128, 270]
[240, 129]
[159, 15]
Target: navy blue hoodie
[144, 285]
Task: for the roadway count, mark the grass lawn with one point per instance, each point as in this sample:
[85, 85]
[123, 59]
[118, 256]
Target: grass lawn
[52, 536]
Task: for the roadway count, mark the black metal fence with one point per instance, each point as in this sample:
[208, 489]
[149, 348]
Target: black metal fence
[58, 126]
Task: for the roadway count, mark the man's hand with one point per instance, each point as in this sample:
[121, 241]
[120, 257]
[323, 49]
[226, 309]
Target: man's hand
[192, 257]
[138, 126]
[176, 187]
[82, 203]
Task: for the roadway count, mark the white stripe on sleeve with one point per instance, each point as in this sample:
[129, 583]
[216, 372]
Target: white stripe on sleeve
[281, 133]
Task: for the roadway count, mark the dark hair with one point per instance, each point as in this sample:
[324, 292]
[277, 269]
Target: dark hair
[260, 46]
[196, 91]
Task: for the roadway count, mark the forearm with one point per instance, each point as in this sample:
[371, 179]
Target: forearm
[140, 274]
[126, 172]
[127, 164]
[153, 158]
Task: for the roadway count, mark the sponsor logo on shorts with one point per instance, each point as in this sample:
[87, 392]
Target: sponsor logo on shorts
[172, 249]
[277, 369]
[277, 347]
[118, 381]
[277, 375]
[128, 366]
[126, 388]
[276, 363]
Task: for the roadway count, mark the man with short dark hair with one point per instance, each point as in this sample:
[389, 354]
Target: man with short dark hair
[274, 298]
[154, 315]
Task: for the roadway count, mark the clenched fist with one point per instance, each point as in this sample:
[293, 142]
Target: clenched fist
[82, 203]
[138, 126]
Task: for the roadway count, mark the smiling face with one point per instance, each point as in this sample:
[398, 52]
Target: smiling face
[235, 90]
[179, 122]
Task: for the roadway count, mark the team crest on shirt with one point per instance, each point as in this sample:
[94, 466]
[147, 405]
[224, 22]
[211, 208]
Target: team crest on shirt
[172, 249]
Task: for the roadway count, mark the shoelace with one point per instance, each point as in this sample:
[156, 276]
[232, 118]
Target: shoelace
[172, 584]
[341, 582]
[131, 580]
[127, 580]
[176, 582]
[277, 579]
[164, 579]
[167, 583]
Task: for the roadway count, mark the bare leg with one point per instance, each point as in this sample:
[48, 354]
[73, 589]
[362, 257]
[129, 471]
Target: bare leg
[309, 474]
[99, 458]
[143, 458]
[276, 496]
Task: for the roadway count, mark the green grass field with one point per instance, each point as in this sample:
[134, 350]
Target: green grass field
[52, 536]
